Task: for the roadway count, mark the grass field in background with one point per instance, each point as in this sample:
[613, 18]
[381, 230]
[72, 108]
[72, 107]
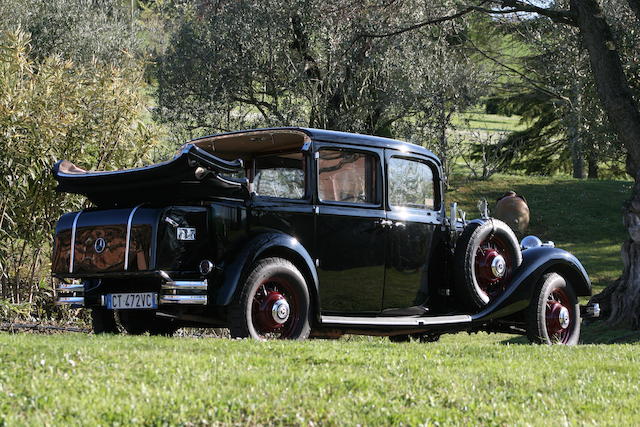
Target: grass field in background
[116, 380]
[581, 216]
[486, 122]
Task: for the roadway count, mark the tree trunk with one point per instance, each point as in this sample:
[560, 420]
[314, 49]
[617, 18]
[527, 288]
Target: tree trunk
[572, 121]
[621, 300]
[592, 165]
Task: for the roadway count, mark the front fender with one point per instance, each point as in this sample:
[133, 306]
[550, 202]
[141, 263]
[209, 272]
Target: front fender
[254, 250]
[535, 263]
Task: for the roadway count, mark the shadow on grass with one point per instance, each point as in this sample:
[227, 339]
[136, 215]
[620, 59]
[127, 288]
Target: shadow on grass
[594, 333]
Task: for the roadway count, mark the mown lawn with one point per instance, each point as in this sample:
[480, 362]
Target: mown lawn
[480, 380]
[466, 380]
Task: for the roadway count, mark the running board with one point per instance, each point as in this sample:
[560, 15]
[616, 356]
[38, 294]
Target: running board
[395, 321]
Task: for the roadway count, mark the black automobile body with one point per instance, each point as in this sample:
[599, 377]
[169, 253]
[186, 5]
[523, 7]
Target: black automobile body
[294, 232]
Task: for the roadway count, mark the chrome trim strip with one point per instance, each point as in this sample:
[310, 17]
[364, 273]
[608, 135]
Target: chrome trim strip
[128, 241]
[395, 321]
[183, 299]
[186, 285]
[70, 300]
[70, 287]
[73, 241]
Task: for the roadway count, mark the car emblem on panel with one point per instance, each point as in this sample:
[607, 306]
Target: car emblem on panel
[100, 245]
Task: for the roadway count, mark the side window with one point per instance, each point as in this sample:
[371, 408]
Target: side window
[280, 175]
[347, 176]
[410, 184]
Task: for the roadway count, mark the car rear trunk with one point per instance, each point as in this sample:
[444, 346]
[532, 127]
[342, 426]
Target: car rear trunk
[132, 240]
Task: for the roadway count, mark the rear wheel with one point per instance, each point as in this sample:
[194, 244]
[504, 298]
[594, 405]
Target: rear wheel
[137, 322]
[273, 303]
[103, 321]
[400, 338]
[554, 314]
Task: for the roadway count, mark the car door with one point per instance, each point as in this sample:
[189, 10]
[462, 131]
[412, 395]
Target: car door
[350, 235]
[413, 202]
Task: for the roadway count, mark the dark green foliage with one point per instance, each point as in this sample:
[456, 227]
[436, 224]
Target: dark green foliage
[237, 65]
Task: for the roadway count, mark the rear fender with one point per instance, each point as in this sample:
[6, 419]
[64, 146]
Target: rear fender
[535, 263]
[267, 244]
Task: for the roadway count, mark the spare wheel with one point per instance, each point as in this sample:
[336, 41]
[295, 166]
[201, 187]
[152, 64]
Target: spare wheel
[486, 255]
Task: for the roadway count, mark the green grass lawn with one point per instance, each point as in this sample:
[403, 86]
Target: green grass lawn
[466, 380]
[481, 121]
[479, 380]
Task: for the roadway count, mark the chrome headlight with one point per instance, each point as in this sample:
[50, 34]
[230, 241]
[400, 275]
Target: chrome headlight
[530, 242]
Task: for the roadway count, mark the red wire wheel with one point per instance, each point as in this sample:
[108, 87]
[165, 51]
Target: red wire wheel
[554, 314]
[273, 303]
[274, 308]
[486, 255]
[493, 265]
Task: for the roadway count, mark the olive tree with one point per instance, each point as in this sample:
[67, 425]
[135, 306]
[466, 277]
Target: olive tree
[246, 64]
[80, 30]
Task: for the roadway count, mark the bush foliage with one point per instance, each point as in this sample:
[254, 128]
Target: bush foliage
[52, 110]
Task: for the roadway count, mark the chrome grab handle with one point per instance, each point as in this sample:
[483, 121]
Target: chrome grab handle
[384, 223]
[400, 224]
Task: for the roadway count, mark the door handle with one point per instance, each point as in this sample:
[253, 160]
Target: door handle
[400, 224]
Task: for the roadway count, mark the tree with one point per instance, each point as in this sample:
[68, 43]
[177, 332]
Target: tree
[622, 299]
[79, 30]
[548, 83]
[247, 64]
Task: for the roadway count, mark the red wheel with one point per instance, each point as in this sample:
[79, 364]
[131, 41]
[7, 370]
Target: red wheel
[486, 255]
[274, 308]
[273, 303]
[554, 315]
[494, 265]
[558, 316]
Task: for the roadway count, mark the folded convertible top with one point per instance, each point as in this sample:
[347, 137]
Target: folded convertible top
[192, 175]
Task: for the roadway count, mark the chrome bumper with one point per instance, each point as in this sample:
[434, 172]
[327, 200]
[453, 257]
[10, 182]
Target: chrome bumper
[70, 294]
[590, 311]
[187, 292]
[182, 292]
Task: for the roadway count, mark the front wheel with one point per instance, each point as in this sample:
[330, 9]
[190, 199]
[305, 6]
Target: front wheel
[554, 314]
[273, 303]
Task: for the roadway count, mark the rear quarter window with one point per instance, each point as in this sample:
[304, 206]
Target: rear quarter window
[410, 184]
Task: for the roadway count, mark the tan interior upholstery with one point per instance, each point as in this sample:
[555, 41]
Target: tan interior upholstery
[69, 168]
[230, 147]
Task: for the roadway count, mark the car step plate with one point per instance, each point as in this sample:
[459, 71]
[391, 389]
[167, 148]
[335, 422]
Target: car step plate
[132, 301]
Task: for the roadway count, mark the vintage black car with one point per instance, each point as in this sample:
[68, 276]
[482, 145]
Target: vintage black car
[293, 232]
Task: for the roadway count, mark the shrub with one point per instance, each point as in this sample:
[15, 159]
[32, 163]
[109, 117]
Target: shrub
[92, 114]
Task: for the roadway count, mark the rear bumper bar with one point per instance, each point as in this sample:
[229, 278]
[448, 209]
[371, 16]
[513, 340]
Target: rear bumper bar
[188, 292]
[172, 292]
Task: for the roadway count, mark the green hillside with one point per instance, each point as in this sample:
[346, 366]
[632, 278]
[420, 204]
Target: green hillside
[581, 216]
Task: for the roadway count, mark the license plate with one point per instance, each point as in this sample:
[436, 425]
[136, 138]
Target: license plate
[132, 301]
